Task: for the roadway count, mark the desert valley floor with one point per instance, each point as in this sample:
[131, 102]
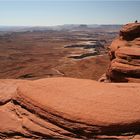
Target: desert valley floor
[38, 54]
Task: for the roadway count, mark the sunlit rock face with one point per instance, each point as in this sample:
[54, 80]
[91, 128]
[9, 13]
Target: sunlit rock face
[68, 108]
[130, 31]
[125, 55]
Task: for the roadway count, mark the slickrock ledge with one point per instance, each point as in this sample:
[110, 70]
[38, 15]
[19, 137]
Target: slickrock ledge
[125, 55]
[69, 108]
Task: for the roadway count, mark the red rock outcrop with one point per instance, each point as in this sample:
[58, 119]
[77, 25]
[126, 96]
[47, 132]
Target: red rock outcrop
[130, 31]
[125, 55]
[69, 108]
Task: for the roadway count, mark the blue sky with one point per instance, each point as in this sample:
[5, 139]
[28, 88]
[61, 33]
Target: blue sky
[45, 12]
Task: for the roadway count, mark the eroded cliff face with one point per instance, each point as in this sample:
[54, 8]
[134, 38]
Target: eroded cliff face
[125, 55]
[68, 108]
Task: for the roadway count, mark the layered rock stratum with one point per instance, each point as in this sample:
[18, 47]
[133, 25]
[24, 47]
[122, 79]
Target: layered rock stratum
[125, 55]
[68, 108]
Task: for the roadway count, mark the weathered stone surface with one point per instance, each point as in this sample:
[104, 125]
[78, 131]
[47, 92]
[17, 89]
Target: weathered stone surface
[124, 52]
[125, 55]
[70, 108]
[130, 31]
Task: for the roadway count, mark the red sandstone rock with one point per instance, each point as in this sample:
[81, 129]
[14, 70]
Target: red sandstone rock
[130, 31]
[125, 55]
[124, 52]
[70, 108]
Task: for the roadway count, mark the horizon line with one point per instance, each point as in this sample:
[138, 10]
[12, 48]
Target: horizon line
[61, 25]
